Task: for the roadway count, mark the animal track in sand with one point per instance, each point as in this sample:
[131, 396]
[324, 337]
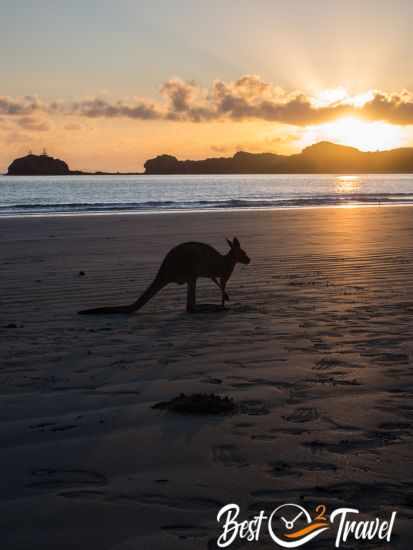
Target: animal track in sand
[325, 379]
[243, 425]
[253, 408]
[281, 469]
[185, 531]
[395, 426]
[389, 357]
[264, 437]
[382, 494]
[159, 499]
[228, 455]
[303, 414]
[340, 494]
[41, 426]
[63, 427]
[342, 427]
[211, 380]
[330, 363]
[49, 478]
[86, 493]
[371, 441]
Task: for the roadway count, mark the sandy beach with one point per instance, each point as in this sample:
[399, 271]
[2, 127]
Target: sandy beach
[315, 347]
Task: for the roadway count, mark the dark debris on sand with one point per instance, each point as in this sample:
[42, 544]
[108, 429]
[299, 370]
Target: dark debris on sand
[198, 403]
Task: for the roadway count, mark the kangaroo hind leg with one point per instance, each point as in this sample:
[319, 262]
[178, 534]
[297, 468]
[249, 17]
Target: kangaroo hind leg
[225, 297]
[221, 285]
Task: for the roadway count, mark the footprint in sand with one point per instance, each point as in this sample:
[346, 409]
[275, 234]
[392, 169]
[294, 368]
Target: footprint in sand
[254, 408]
[282, 469]
[82, 493]
[228, 455]
[395, 426]
[159, 499]
[64, 428]
[303, 414]
[186, 531]
[329, 363]
[41, 426]
[48, 478]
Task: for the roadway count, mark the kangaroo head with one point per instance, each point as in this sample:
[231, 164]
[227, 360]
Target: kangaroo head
[237, 253]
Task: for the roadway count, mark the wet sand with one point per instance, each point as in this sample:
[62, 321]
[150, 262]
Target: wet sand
[316, 348]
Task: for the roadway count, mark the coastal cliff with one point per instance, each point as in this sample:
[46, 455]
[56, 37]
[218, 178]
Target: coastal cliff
[323, 157]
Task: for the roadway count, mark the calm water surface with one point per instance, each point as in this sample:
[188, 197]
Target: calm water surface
[50, 195]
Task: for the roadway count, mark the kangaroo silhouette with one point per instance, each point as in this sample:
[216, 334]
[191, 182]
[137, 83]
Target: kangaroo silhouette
[185, 263]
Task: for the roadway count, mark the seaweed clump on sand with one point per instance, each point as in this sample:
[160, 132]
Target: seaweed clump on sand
[198, 403]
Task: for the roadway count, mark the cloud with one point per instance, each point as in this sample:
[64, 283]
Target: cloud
[34, 124]
[16, 137]
[266, 144]
[396, 108]
[4, 124]
[73, 127]
[18, 106]
[97, 108]
[186, 101]
[248, 98]
[221, 148]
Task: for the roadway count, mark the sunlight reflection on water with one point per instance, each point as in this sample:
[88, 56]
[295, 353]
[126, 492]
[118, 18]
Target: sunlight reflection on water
[347, 184]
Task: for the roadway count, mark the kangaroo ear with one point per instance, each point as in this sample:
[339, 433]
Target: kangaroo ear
[229, 243]
[235, 242]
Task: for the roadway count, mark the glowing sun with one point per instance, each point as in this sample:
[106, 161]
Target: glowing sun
[366, 136]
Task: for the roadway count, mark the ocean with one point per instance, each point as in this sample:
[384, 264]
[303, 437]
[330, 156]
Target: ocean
[59, 195]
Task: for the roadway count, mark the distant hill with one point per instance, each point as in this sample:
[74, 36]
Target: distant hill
[323, 157]
[38, 165]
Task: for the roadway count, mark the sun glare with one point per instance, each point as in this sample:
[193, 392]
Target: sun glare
[347, 184]
[366, 136]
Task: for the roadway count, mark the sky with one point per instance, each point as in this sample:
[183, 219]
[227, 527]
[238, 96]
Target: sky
[106, 85]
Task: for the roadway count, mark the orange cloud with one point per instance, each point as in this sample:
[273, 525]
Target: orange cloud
[34, 124]
[248, 98]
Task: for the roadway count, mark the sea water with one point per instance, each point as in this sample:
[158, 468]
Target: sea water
[54, 195]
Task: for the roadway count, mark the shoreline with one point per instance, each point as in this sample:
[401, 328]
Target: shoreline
[202, 210]
[304, 173]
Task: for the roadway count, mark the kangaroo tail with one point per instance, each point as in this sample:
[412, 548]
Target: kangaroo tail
[152, 289]
[106, 310]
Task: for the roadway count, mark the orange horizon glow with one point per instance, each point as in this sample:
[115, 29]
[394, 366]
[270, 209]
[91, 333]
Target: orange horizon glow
[358, 133]
[124, 144]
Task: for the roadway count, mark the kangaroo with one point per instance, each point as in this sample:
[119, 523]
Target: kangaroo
[185, 263]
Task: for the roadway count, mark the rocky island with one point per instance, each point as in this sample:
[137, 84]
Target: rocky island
[44, 165]
[38, 165]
